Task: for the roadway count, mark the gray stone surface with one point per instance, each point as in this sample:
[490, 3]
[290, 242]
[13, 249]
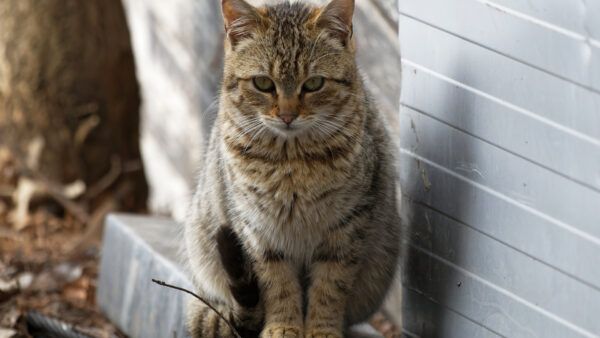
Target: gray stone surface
[135, 250]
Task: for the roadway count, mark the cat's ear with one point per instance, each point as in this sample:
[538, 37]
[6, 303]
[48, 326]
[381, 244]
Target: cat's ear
[240, 19]
[337, 17]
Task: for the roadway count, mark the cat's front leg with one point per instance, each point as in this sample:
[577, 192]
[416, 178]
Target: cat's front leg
[332, 275]
[282, 296]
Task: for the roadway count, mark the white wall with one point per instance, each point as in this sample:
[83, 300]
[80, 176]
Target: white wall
[500, 138]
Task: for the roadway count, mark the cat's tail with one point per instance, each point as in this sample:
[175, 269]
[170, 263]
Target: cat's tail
[246, 315]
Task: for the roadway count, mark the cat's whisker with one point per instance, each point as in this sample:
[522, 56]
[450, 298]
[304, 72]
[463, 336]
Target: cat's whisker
[246, 132]
[260, 131]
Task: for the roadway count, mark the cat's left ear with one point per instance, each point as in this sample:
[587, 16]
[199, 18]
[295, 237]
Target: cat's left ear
[337, 17]
[240, 19]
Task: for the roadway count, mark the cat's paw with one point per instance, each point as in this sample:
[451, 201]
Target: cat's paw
[281, 331]
[323, 333]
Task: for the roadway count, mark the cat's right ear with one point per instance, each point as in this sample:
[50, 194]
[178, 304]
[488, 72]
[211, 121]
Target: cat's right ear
[240, 19]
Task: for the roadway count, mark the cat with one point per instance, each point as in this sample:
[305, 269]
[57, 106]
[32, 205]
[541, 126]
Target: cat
[293, 229]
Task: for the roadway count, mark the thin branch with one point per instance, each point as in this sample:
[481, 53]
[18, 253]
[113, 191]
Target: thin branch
[107, 180]
[159, 282]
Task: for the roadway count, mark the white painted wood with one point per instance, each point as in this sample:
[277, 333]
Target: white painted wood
[426, 318]
[499, 217]
[503, 126]
[541, 95]
[500, 167]
[515, 271]
[506, 174]
[579, 17]
[483, 302]
[574, 58]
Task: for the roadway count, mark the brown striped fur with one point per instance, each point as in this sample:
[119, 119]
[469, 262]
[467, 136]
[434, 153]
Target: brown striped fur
[311, 201]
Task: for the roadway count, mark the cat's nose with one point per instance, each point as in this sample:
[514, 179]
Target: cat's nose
[288, 118]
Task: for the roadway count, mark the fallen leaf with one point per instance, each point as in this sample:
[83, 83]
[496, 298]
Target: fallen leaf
[77, 289]
[74, 189]
[25, 279]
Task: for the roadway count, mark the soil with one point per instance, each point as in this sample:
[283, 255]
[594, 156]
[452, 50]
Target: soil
[49, 262]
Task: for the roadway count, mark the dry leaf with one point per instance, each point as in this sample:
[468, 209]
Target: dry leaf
[74, 189]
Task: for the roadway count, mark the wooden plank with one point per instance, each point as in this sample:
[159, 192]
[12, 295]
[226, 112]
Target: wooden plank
[500, 217]
[551, 100]
[505, 267]
[482, 301]
[577, 60]
[502, 125]
[579, 17]
[504, 173]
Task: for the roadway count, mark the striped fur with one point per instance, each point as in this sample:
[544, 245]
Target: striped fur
[309, 208]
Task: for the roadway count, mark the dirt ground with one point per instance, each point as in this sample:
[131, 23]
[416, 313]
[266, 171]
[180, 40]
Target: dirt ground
[49, 240]
[49, 251]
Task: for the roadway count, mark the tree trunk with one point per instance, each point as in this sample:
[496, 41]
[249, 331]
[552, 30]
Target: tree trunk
[67, 75]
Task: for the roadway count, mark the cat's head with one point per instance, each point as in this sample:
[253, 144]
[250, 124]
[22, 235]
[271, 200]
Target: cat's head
[290, 66]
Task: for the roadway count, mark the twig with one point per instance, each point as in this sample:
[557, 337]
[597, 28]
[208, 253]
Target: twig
[159, 282]
[93, 229]
[107, 180]
[56, 193]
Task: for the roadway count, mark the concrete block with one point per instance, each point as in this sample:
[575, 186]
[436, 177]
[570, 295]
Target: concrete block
[135, 250]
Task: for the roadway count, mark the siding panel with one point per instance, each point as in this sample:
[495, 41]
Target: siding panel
[575, 59]
[514, 177]
[515, 271]
[426, 318]
[499, 217]
[497, 123]
[485, 303]
[580, 17]
[500, 167]
[549, 98]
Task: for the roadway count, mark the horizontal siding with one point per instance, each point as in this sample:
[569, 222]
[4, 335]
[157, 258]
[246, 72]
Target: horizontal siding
[494, 121]
[574, 59]
[576, 17]
[500, 168]
[485, 303]
[516, 271]
[431, 319]
[554, 101]
[514, 179]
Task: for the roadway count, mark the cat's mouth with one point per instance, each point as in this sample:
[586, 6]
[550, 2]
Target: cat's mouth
[295, 128]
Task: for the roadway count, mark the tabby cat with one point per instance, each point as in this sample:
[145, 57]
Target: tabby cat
[293, 230]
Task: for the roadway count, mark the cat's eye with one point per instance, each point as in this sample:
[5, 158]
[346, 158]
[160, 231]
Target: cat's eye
[263, 83]
[313, 84]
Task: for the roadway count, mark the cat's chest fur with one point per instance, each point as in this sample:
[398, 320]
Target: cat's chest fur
[291, 202]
